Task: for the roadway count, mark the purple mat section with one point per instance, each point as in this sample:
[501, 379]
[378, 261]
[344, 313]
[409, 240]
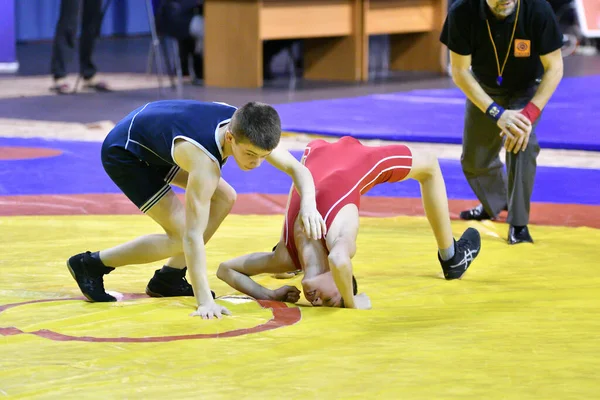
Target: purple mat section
[570, 121]
[79, 171]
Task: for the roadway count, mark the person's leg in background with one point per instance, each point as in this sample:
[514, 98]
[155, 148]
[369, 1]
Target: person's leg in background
[198, 63]
[187, 49]
[197, 35]
[90, 30]
[64, 43]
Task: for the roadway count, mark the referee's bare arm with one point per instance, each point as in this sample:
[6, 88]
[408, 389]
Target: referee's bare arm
[511, 122]
[463, 78]
[553, 73]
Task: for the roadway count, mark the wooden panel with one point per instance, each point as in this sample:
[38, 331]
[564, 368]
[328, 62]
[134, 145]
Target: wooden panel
[232, 45]
[421, 51]
[400, 16]
[332, 59]
[282, 19]
[337, 59]
[415, 26]
[414, 52]
[235, 29]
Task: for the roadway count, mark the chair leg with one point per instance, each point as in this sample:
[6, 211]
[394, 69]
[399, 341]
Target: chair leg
[291, 67]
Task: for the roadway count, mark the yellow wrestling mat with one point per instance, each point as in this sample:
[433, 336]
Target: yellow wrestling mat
[522, 324]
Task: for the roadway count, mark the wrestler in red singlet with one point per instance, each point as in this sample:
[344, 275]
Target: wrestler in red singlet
[343, 171]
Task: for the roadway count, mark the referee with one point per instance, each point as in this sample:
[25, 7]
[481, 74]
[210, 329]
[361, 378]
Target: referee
[505, 57]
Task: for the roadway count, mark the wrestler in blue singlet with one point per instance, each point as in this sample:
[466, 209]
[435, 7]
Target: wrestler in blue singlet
[137, 153]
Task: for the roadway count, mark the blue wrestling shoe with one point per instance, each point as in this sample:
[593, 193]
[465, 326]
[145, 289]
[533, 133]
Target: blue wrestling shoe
[88, 271]
[465, 251]
[170, 283]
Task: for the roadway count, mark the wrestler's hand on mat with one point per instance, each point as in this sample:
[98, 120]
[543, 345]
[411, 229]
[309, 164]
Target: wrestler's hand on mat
[312, 222]
[210, 310]
[362, 302]
[287, 294]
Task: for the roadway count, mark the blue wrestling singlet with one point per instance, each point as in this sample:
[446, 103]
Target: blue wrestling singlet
[138, 153]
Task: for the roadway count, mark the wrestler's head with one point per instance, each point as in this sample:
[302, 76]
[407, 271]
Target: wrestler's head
[321, 290]
[254, 131]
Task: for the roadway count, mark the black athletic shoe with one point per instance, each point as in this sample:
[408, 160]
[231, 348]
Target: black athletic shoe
[476, 214]
[465, 251]
[519, 234]
[170, 284]
[88, 271]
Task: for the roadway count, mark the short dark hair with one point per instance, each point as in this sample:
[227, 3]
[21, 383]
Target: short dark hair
[257, 123]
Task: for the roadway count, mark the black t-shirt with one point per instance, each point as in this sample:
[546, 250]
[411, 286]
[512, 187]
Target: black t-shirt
[537, 33]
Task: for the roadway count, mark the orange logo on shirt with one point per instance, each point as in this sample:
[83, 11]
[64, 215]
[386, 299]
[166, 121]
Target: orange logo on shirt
[522, 48]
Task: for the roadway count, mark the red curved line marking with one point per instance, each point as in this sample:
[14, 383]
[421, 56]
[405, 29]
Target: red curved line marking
[282, 316]
[126, 296]
[26, 153]
[7, 306]
[10, 331]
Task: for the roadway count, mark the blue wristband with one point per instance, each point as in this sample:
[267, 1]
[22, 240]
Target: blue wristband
[494, 111]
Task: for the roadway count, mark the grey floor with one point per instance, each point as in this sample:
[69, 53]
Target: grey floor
[130, 55]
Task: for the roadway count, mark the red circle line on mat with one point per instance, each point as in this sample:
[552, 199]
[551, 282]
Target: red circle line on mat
[282, 316]
[26, 153]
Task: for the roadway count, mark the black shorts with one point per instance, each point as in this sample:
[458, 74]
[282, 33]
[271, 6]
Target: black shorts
[143, 183]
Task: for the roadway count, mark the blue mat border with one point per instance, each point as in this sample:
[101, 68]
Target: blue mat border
[567, 122]
[79, 171]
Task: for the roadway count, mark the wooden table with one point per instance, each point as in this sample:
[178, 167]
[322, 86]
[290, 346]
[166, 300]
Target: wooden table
[414, 27]
[234, 31]
[335, 34]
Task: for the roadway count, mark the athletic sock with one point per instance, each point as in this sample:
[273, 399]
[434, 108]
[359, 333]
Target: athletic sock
[446, 254]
